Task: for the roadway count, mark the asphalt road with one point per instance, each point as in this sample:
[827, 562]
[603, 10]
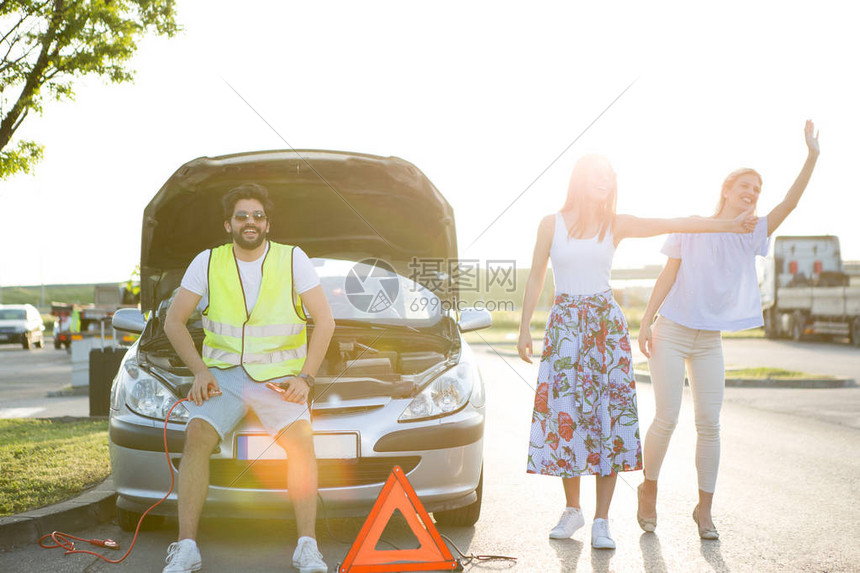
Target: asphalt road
[32, 383]
[788, 497]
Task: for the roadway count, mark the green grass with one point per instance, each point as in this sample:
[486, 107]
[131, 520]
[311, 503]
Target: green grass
[762, 373]
[43, 461]
[769, 373]
[751, 333]
[80, 294]
[506, 326]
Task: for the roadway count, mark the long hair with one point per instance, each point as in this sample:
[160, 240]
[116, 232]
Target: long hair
[729, 181]
[576, 195]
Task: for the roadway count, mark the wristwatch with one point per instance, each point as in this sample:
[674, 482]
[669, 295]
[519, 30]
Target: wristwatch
[307, 378]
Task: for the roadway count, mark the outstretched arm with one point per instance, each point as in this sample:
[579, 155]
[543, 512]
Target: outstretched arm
[658, 295]
[534, 286]
[781, 211]
[630, 226]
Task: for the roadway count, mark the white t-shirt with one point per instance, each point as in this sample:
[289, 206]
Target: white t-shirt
[716, 287]
[196, 277]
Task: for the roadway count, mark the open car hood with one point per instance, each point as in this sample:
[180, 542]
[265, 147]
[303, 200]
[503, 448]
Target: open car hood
[332, 204]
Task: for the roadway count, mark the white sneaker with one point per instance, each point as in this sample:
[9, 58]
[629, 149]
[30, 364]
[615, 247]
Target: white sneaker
[307, 558]
[182, 557]
[600, 536]
[571, 520]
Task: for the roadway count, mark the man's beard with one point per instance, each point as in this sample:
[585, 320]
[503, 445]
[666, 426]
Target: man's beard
[249, 244]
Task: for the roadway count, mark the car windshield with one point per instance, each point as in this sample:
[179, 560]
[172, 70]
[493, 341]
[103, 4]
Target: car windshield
[13, 314]
[371, 291]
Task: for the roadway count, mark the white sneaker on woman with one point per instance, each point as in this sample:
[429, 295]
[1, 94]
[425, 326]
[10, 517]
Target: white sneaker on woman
[571, 520]
[600, 536]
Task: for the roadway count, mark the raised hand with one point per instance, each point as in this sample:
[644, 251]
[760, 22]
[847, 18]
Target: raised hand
[811, 137]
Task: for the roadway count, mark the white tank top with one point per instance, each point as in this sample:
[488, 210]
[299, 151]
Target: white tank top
[580, 266]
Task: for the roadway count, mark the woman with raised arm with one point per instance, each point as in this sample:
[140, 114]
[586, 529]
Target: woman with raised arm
[708, 285]
[585, 420]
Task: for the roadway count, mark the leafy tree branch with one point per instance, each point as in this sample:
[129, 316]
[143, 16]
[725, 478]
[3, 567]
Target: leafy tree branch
[47, 44]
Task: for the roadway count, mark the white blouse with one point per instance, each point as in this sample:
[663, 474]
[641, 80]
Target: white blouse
[716, 287]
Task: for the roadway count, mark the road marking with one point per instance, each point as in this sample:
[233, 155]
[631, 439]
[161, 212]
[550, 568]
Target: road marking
[19, 412]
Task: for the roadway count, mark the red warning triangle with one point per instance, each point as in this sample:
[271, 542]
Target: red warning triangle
[431, 555]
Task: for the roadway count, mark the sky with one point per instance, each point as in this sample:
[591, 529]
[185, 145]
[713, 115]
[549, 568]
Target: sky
[491, 100]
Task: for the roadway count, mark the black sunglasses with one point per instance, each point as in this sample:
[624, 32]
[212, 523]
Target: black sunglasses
[243, 215]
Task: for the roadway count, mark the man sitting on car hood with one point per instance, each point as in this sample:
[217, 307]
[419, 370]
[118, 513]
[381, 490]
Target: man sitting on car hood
[255, 332]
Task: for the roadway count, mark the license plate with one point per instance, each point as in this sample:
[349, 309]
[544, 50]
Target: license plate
[326, 446]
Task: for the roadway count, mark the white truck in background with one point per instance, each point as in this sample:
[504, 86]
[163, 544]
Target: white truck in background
[90, 317]
[805, 291]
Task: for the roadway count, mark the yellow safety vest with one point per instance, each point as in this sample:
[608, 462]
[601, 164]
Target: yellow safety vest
[75, 322]
[272, 341]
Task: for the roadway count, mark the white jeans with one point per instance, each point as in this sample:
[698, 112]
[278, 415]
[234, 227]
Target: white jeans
[673, 346]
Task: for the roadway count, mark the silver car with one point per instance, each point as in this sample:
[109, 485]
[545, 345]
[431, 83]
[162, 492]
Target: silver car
[398, 386]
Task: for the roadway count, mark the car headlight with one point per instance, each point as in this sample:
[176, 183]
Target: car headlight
[445, 395]
[144, 394]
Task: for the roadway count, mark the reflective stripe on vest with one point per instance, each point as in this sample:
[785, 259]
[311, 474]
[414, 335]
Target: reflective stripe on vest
[270, 358]
[272, 341]
[258, 331]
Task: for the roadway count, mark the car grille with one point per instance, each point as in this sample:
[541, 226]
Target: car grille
[272, 474]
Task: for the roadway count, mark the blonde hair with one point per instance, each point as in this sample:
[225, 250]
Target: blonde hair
[730, 180]
[576, 192]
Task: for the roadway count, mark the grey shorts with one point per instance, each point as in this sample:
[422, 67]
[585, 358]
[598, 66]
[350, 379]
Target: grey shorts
[239, 393]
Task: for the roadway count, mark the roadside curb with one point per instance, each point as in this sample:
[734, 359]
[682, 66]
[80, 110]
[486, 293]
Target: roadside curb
[644, 377]
[91, 507]
[70, 391]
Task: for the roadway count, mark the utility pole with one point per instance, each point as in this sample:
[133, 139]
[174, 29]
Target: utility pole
[41, 277]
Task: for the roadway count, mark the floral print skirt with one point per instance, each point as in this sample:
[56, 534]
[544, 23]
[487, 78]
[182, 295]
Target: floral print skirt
[585, 420]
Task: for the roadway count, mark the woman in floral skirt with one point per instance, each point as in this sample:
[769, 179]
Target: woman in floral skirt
[585, 420]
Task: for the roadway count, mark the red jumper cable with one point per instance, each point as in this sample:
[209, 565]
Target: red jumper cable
[65, 540]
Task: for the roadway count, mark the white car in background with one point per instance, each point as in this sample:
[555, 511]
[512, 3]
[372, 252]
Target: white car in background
[21, 324]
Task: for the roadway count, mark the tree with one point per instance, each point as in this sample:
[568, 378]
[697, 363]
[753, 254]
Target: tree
[46, 44]
[131, 288]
